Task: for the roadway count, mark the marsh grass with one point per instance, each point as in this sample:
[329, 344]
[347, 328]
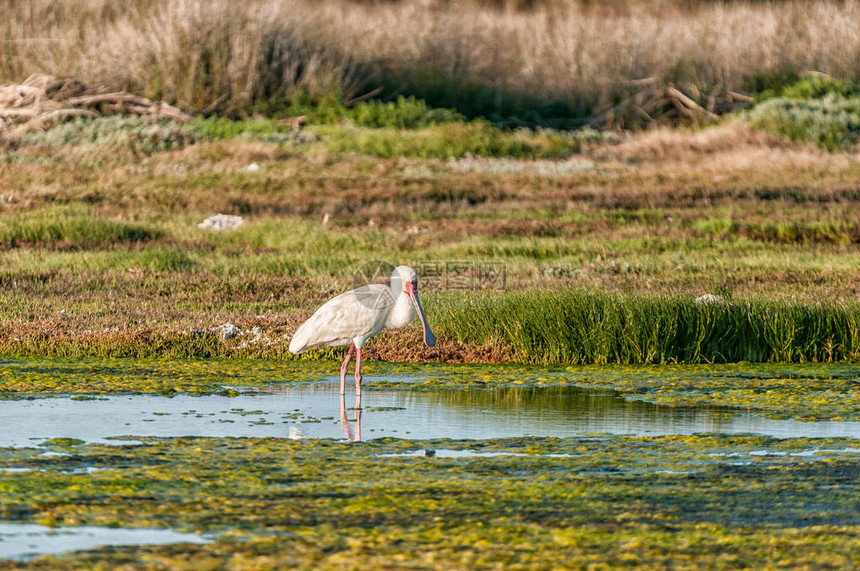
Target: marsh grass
[584, 327]
[562, 326]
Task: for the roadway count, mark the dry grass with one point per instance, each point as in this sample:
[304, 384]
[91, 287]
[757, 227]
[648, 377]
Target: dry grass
[559, 58]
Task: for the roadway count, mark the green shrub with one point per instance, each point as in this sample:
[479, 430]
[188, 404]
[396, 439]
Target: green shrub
[811, 87]
[832, 122]
[812, 109]
[404, 113]
[136, 134]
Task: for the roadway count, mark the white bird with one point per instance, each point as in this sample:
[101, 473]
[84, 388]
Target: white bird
[357, 315]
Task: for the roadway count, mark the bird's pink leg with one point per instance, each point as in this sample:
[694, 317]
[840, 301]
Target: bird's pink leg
[344, 367]
[358, 377]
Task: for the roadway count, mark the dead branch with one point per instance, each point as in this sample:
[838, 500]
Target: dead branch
[740, 97]
[42, 100]
[657, 103]
[120, 97]
[10, 113]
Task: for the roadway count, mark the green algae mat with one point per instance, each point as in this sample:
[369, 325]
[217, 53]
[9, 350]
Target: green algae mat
[583, 502]
[706, 501]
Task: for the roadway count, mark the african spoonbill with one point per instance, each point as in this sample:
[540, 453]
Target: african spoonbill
[359, 314]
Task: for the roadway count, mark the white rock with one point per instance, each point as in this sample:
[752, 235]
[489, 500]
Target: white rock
[222, 222]
[252, 168]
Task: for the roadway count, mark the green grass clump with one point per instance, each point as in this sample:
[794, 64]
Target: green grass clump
[450, 140]
[222, 128]
[410, 129]
[406, 127]
[403, 113]
[70, 229]
[331, 109]
[580, 327]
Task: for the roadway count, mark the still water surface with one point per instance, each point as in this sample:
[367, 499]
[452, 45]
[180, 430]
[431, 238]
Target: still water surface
[315, 410]
[23, 541]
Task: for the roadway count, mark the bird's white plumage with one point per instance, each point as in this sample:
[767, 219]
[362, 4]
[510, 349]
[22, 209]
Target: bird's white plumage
[351, 317]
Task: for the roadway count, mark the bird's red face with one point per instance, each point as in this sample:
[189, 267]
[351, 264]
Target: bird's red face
[412, 289]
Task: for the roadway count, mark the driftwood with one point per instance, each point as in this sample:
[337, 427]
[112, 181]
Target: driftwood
[655, 103]
[44, 100]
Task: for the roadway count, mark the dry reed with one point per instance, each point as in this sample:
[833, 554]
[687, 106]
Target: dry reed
[556, 58]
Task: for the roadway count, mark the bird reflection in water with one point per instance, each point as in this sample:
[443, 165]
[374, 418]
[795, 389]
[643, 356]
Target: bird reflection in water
[345, 422]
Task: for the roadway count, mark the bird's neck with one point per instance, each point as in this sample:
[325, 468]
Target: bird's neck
[402, 313]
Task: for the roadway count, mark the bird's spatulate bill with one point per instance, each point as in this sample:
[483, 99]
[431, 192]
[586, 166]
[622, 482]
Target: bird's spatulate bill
[429, 338]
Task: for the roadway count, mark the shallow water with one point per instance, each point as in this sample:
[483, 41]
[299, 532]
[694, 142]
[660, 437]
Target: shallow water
[24, 541]
[315, 411]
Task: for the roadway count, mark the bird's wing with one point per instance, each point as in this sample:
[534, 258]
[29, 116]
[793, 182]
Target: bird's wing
[357, 313]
